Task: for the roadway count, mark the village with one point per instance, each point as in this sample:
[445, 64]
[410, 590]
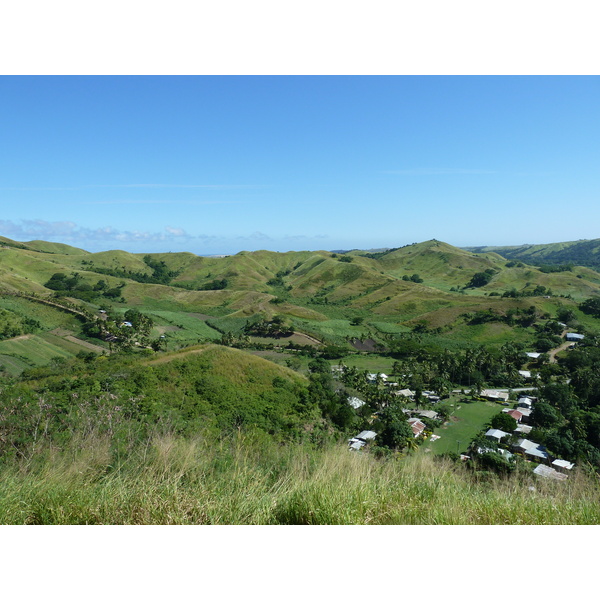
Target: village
[429, 425]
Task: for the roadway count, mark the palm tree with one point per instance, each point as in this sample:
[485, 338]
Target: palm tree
[411, 445]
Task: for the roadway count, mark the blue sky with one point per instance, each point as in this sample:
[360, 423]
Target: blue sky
[216, 165]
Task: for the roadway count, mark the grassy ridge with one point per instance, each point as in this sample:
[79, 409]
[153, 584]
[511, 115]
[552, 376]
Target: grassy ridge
[582, 252]
[247, 479]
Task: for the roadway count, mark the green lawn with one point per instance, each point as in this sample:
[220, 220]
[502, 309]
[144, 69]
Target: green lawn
[466, 422]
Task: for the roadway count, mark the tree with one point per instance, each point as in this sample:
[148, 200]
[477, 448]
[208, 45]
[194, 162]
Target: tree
[319, 365]
[544, 415]
[566, 315]
[356, 320]
[482, 278]
[559, 396]
[494, 462]
[591, 306]
[395, 430]
[504, 422]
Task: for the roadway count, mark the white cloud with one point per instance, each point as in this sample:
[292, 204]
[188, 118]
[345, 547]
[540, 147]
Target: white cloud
[171, 237]
[69, 232]
[177, 232]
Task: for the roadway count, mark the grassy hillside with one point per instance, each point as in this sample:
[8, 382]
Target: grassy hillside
[249, 480]
[54, 248]
[581, 252]
[333, 297]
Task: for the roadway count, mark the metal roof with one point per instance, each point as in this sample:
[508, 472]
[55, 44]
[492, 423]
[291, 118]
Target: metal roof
[355, 402]
[538, 453]
[357, 445]
[548, 472]
[575, 336]
[564, 464]
[496, 433]
[521, 428]
[494, 394]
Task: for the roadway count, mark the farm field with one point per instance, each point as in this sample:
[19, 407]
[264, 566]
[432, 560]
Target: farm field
[12, 365]
[372, 362]
[35, 350]
[182, 327]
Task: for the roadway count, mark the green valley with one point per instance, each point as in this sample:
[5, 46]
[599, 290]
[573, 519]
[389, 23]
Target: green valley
[169, 376]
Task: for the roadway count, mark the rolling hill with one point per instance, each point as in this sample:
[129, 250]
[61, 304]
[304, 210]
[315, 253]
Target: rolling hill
[329, 296]
[582, 252]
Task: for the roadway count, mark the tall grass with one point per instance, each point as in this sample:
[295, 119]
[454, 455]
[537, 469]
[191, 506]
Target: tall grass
[247, 479]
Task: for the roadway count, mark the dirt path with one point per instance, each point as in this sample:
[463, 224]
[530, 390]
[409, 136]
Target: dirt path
[308, 337]
[27, 336]
[170, 357]
[552, 353]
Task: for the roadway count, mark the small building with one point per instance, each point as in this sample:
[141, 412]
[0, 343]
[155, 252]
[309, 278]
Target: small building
[525, 374]
[355, 444]
[531, 450]
[549, 473]
[496, 434]
[355, 402]
[574, 337]
[524, 402]
[523, 429]
[537, 454]
[494, 395]
[525, 414]
[428, 414]
[533, 354]
[376, 377]
[562, 465]
[406, 393]
[417, 426]
[515, 414]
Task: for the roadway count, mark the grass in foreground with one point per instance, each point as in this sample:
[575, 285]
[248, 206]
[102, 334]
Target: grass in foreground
[246, 479]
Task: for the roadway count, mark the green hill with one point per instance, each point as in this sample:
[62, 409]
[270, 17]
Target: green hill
[321, 294]
[582, 252]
